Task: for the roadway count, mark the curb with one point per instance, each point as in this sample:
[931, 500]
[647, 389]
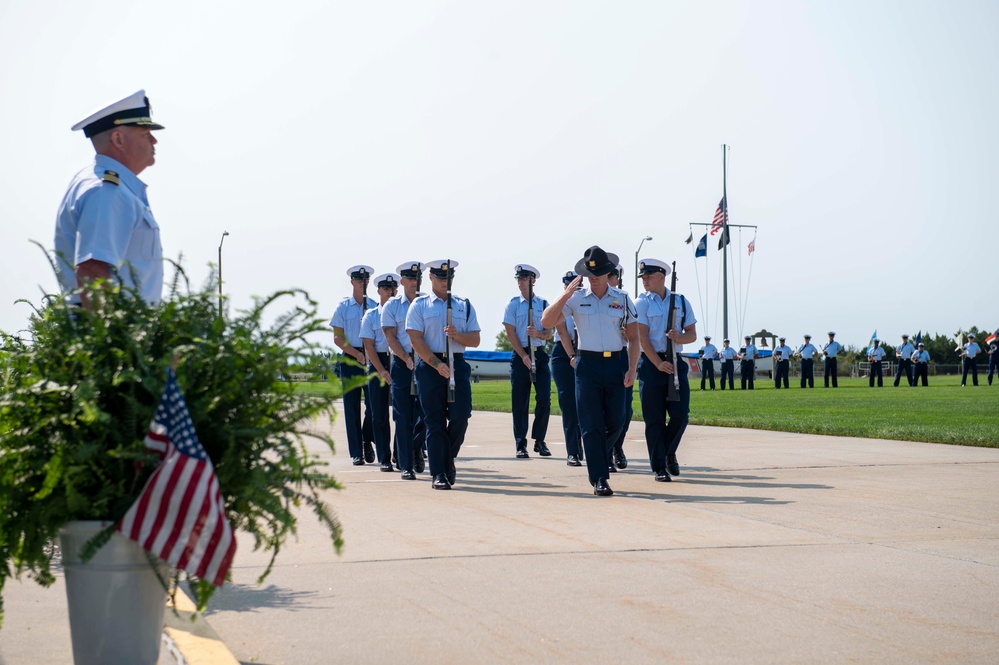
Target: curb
[188, 638]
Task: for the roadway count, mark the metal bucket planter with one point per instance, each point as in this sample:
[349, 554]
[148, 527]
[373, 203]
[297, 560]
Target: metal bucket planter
[116, 601]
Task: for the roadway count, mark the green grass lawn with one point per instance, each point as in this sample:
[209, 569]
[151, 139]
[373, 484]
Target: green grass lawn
[943, 412]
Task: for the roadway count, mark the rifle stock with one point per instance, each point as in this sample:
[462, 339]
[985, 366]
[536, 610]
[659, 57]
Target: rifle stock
[450, 355]
[672, 387]
[530, 322]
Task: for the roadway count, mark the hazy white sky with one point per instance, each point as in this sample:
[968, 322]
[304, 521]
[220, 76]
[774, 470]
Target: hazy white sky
[323, 134]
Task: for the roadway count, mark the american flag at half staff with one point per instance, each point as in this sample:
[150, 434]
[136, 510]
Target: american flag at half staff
[180, 516]
[721, 217]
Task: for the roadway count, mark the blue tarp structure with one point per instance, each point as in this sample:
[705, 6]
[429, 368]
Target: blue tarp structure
[488, 356]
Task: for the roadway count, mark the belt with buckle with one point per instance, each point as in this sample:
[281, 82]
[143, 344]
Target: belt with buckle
[600, 354]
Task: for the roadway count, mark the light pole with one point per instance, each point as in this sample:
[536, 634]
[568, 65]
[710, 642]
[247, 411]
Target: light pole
[224, 234]
[634, 293]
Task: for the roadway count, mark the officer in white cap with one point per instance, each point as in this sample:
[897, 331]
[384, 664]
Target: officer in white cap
[831, 349]
[727, 355]
[807, 352]
[105, 228]
[921, 360]
[409, 432]
[605, 365]
[747, 364]
[433, 340]
[656, 370]
[903, 355]
[522, 325]
[377, 350]
[618, 459]
[875, 356]
[708, 353]
[346, 324]
[564, 376]
[782, 364]
[970, 352]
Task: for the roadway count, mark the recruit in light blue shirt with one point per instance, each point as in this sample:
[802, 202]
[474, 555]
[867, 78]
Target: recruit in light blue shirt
[832, 349]
[807, 351]
[428, 315]
[728, 353]
[394, 315]
[371, 328]
[112, 223]
[516, 316]
[750, 352]
[652, 312]
[599, 320]
[348, 316]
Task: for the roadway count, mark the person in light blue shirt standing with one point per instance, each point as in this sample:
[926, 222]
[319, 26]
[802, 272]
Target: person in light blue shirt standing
[728, 355]
[782, 364]
[564, 375]
[379, 387]
[410, 434]
[657, 370]
[346, 324]
[992, 343]
[921, 361]
[807, 352]
[707, 354]
[970, 352]
[875, 356]
[605, 365]
[831, 349]
[440, 346]
[522, 325]
[903, 356]
[105, 228]
[747, 365]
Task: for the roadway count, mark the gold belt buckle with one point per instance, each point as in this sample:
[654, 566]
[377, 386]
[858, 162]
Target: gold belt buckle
[607, 354]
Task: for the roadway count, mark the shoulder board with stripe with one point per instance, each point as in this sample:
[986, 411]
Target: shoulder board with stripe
[111, 176]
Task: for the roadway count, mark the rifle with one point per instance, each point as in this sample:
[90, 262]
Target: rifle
[364, 309]
[672, 387]
[530, 322]
[412, 354]
[450, 356]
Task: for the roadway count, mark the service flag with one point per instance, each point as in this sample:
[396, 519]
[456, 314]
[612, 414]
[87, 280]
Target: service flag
[690, 238]
[725, 238]
[702, 247]
[993, 337]
[752, 246]
[874, 336]
[721, 217]
[180, 516]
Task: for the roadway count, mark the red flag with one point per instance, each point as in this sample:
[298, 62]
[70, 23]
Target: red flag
[180, 516]
[991, 338]
[721, 217]
[752, 246]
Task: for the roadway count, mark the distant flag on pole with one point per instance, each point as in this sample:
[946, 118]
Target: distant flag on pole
[702, 247]
[752, 246]
[180, 516]
[690, 238]
[721, 217]
[725, 239]
[993, 337]
[874, 336]
[919, 337]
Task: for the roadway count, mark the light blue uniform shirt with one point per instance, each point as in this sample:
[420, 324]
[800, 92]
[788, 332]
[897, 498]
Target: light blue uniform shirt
[428, 315]
[877, 354]
[807, 351]
[102, 221]
[599, 320]
[832, 349]
[516, 316]
[570, 326]
[782, 352]
[750, 353]
[728, 354]
[371, 328]
[921, 356]
[394, 315]
[905, 351]
[709, 351]
[652, 312]
[971, 349]
[348, 316]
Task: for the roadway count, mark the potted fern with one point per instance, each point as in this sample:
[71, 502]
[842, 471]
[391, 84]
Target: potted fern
[78, 390]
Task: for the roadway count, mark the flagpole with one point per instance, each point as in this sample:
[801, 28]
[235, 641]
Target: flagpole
[725, 244]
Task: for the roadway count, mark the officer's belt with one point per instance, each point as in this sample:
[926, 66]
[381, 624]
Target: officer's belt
[456, 356]
[601, 354]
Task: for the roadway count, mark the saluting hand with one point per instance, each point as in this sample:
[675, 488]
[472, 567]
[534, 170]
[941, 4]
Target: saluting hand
[574, 284]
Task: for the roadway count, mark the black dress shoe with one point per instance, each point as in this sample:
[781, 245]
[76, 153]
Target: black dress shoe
[602, 488]
[369, 452]
[672, 465]
[357, 461]
[395, 460]
[522, 452]
[541, 448]
[620, 461]
[408, 475]
[572, 460]
[424, 453]
[387, 468]
[662, 476]
[440, 482]
[419, 464]
[451, 474]
[611, 468]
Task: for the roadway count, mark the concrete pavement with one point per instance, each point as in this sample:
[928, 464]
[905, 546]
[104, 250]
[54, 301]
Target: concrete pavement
[770, 547]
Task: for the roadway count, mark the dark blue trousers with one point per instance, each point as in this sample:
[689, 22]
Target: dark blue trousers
[600, 403]
[410, 434]
[445, 423]
[970, 364]
[808, 372]
[707, 372]
[748, 370]
[520, 381]
[904, 366]
[993, 366]
[922, 371]
[358, 430]
[381, 399]
[728, 370]
[781, 371]
[629, 411]
[661, 437]
[565, 386]
[831, 372]
[876, 371]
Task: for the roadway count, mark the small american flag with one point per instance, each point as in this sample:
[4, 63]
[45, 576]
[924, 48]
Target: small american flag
[179, 516]
[721, 217]
[752, 246]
